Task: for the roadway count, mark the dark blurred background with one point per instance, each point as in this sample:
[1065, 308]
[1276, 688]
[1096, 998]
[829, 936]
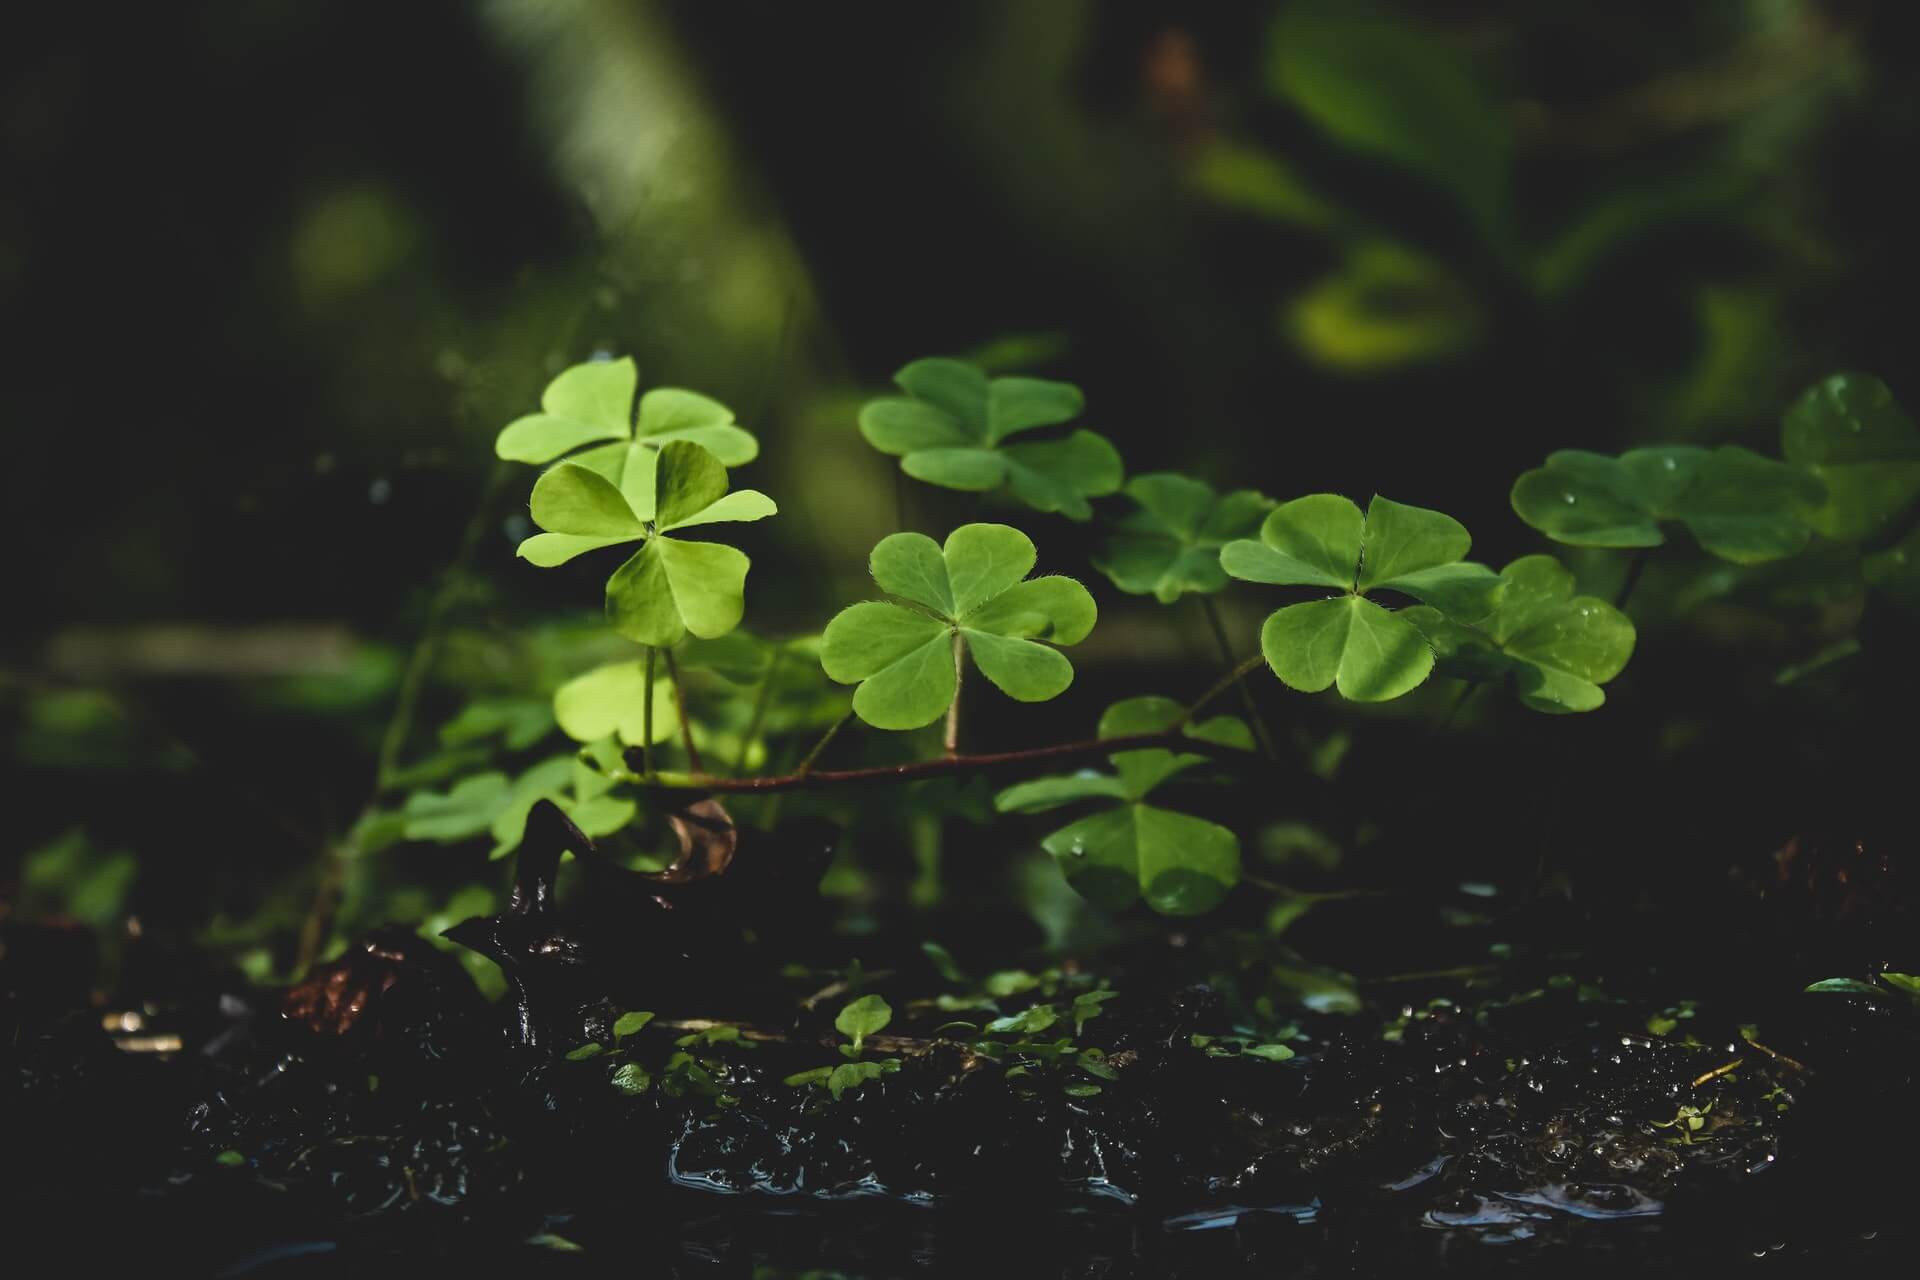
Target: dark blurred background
[275, 273]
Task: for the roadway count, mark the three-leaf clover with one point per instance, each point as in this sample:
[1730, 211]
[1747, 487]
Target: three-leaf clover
[668, 587]
[1848, 431]
[1558, 647]
[951, 426]
[973, 591]
[1370, 652]
[1172, 544]
[1180, 864]
[593, 402]
[1737, 505]
[498, 805]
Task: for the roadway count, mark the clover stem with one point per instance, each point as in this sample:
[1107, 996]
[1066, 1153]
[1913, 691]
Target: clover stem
[1467, 690]
[646, 718]
[680, 709]
[759, 716]
[1258, 721]
[805, 766]
[959, 685]
[1635, 567]
[1240, 672]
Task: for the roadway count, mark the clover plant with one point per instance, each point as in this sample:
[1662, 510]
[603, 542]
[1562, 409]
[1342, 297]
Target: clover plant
[1848, 431]
[1558, 648]
[1131, 850]
[970, 596]
[1171, 545]
[951, 429]
[592, 403]
[1350, 640]
[1738, 505]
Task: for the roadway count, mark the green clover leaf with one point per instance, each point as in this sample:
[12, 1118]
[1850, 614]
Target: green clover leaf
[1737, 505]
[593, 402]
[669, 587]
[1558, 647]
[1172, 544]
[494, 804]
[1181, 865]
[1370, 652]
[610, 701]
[975, 589]
[951, 426]
[1848, 431]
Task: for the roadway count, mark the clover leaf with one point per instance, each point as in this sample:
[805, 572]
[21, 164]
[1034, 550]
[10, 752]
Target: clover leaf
[1848, 431]
[1172, 544]
[951, 427]
[1559, 648]
[669, 587]
[1370, 652]
[494, 804]
[1181, 865]
[974, 592]
[1737, 505]
[611, 701]
[592, 403]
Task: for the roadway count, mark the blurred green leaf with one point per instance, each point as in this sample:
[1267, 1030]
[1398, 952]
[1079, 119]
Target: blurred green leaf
[1848, 430]
[1380, 86]
[951, 427]
[1172, 544]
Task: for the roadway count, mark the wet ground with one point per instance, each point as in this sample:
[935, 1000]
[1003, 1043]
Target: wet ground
[1506, 1120]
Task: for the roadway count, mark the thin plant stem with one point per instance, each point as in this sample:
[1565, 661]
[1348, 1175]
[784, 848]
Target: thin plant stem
[1635, 567]
[1467, 690]
[646, 718]
[959, 687]
[761, 700]
[680, 709]
[806, 776]
[1259, 723]
[805, 767]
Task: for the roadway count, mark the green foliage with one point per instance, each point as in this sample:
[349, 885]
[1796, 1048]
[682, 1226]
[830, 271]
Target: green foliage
[1383, 88]
[864, 1017]
[1130, 850]
[1906, 984]
[975, 592]
[669, 587]
[492, 803]
[592, 403]
[1370, 652]
[1556, 647]
[1737, 505]
[630, 1023]
[951, 428]
[1848, 431]
[1171, 545]
[611, 701]
[857, 1020]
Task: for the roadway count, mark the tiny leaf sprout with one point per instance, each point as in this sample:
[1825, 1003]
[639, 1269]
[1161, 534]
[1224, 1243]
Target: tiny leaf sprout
[857, 1020]
[1370, 652]
[951, 428]
[1130, 850]
[971, 596]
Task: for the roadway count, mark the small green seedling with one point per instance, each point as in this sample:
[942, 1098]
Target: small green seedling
[1236, 1046]
[951, 428]
[1171, 545]
[1181, 865]
[971, 595]
[864, 1017]
[1370, 652]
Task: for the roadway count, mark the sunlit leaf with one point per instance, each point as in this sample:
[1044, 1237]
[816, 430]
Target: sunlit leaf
[976, 589]
[593, 402]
